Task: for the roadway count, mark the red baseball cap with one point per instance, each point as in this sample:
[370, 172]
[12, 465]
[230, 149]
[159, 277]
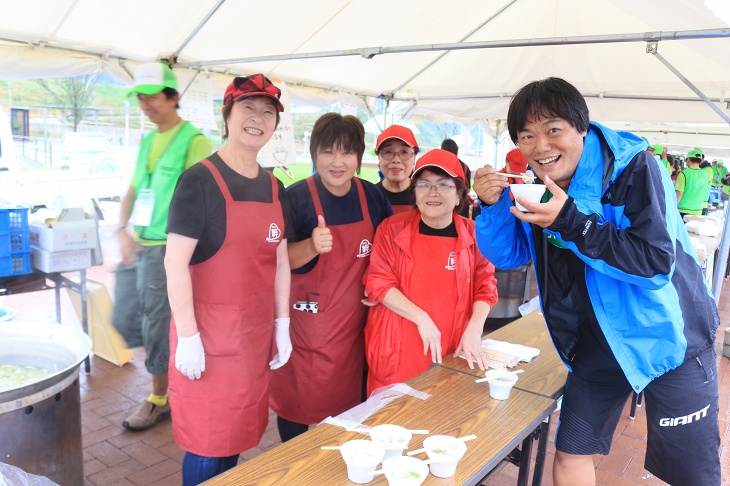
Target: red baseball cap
[441, 159]
[399, 132]
[254, 85]
[517, 162]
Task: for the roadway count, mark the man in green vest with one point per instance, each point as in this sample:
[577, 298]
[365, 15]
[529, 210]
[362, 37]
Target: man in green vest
[693, 185]
[141, 310]
[718, 172]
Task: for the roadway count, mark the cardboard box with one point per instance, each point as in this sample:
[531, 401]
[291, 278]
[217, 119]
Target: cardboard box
[59, 261]
[72, 231]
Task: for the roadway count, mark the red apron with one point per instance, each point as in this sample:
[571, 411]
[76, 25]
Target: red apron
[324, 374]
[225, 412]
[401, 208]
[434, 261]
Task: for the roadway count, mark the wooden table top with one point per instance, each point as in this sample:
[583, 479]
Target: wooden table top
[544, 375]
[458, 407]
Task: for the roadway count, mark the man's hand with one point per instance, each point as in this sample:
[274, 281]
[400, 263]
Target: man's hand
[321, 237]
[129, 248]
[489, 185]
[542, 214]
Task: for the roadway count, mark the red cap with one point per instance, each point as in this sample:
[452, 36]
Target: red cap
[399, 132]
[517, 162]
[255, 85]
[441, 159]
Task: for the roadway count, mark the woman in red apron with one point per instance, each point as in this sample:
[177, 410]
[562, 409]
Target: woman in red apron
[417, 320]
[397, 148]
[228, 284]
[334, 215]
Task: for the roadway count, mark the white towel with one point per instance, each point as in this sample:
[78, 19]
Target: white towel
[523, 353]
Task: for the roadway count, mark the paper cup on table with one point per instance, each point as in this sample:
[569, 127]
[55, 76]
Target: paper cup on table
[531, 192]
[405, 471]
[446, 451]
[394, 438]
[361, 457]
[500, 383]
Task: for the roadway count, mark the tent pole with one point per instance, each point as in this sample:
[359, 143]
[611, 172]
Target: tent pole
[196, 29]
[652, 48]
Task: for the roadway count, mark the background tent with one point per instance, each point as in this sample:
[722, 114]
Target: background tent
[464, 58]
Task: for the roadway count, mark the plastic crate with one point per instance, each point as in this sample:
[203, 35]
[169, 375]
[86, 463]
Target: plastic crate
[14, 242]
[13, 219]
[15, 264]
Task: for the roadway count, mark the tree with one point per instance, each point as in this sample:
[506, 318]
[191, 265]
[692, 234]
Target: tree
[71, 95]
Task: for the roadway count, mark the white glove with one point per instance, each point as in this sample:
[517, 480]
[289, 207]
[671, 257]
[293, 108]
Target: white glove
[190, 356]
[283, 343]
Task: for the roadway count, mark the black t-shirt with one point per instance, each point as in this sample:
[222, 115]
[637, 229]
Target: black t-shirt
[403, 198]
[338, 210]
[449, 231]
[198, 208]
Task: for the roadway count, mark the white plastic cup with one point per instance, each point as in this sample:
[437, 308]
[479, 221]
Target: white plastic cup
[361, 458]
[500, 383]
[405, 471]
[531, 192]
[447, 451]
[393, 438]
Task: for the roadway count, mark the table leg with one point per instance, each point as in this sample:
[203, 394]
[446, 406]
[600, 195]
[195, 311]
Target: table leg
[541, 452]
[525, 458]
[84, 313]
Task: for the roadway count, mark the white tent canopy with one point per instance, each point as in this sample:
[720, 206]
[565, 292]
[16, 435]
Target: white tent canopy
[464, 58]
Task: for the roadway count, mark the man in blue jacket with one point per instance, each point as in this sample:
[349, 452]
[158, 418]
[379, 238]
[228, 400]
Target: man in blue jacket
[620, 285]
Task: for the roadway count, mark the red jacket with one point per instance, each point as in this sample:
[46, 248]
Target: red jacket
[391, 263]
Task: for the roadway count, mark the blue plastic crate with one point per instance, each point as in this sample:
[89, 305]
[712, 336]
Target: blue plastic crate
[13, 219]
[14, 242]
[15, 264]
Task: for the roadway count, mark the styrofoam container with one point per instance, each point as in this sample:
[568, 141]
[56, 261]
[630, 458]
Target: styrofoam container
[531, 192]
[500, 383]
[405, 471]
[446, 451]
[394, 438]
[361, 458]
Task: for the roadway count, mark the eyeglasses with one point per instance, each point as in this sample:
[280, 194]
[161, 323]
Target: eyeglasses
[441, 187]
[404, 154]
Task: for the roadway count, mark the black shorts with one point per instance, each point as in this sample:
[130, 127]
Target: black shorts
[682, 418]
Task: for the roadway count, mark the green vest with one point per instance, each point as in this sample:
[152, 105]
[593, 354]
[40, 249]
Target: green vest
[696, 191]
[718, 172]
[163, 179]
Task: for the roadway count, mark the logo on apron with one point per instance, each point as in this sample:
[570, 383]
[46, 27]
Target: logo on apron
[274, 234]
[451, 261]
[365, 247]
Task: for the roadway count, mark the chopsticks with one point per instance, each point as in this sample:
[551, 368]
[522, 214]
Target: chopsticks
[367, 431]
[516, 176]
[463, 439]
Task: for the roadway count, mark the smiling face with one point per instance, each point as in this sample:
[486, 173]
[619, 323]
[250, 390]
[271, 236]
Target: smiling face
[158, 107]
[552, 147]
[436, 205]
[398, 169]
[251, 122]
[336, 166]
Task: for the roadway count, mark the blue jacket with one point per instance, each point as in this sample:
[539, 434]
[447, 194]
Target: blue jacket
[644, 281]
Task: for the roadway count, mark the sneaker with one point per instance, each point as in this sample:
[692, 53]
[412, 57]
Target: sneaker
[146, 416]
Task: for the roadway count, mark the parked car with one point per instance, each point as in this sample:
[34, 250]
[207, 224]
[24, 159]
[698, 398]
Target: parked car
[91, 153]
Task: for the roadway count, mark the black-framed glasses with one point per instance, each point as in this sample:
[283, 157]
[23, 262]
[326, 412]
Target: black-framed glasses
[389, 154]
[441, 187]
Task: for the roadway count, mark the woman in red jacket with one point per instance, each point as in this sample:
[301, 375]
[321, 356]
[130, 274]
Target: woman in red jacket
[433, 287]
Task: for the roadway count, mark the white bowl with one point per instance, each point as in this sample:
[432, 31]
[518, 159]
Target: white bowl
[447, 451]
[500, 383]
[394, 438]
[405, 471]
[361, 457]
[531, 192]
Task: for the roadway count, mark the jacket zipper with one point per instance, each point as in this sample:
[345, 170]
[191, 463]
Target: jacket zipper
[699, 362]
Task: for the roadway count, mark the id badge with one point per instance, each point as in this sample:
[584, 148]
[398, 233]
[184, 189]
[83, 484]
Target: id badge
[143, 207]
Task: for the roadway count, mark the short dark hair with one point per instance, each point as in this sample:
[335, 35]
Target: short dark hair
[549, 97]
[170, 93]
[334, 130]
[450, 146]
[226, 112]
[461, 188]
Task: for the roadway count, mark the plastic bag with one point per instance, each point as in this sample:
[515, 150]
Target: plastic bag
[14, 476]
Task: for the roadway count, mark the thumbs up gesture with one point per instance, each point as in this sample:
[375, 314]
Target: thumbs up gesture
[321, 237]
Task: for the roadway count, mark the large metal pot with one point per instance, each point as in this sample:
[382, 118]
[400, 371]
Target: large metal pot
[40, 422]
